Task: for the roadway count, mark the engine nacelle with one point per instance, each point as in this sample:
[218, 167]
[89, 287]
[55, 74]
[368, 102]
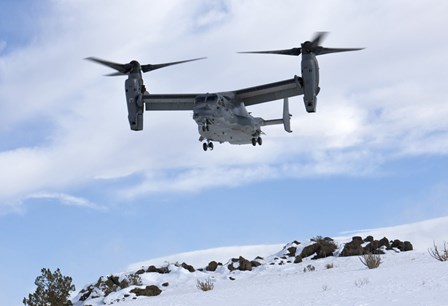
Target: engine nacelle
[310, 76]
[134, 102]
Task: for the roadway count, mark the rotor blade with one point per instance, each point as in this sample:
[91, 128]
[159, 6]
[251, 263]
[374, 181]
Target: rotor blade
[149, 67]
[115, 74]
[122, 68]
[293, 51]
[322, 50]
[319, 36]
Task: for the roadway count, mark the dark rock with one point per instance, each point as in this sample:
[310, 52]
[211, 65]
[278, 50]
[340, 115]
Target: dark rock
[151, 269]
[323, 247]
[147, 291]
[358, 238]
[408, 246]
[298, 259]
[141, 271]
[188, 267]
[212, 266]
[385, 242]
[165, 284]
[245, 265]
[372, 246]
[398, 244]
[255, 263]
[291, 251]
[259, 258]
[309, 250]
[231, 278]
[162, 270]
[353, 248]
[368, 239]
[86, 293]
[326, 248]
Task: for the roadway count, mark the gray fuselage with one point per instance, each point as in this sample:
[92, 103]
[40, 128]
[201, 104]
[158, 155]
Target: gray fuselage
[222, 119]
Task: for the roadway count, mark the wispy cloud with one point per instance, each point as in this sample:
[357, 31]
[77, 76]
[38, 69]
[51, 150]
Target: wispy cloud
[66, 199]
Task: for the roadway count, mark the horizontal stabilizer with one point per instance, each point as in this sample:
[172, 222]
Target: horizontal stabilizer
[286, 120]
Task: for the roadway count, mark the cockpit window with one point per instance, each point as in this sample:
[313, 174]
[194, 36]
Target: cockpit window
[206, 99]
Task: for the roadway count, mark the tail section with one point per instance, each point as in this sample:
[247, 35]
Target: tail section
[286, 120]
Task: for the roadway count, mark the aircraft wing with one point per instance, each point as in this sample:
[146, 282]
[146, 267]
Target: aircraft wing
[270, 92]
[167, 102]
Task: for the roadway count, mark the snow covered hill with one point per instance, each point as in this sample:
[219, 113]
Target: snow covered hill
[285, 276]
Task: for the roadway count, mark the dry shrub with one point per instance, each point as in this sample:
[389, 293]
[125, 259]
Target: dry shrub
[439, 255]
[205, 285]
[371, 261]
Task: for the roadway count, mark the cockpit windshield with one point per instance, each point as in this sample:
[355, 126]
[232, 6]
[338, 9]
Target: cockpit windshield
[209, 99]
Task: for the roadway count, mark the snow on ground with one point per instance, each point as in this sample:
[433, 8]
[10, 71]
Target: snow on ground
[406, 278]
[411, 278]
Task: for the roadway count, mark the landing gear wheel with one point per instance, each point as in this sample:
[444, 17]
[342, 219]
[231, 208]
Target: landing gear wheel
[210, 146]
[205, 146]
[254, 142]
[260, 141]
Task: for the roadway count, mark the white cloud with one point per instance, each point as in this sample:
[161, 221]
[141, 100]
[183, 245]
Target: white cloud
[66, 199]
[375, 105]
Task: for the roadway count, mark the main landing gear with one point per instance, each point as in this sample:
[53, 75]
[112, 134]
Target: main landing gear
[207, 145]
[257, 140]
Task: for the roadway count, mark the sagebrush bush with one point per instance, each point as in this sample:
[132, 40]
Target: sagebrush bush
[134, 280]
[205, 285]
[309, 268]
[439, 255]
[361, 282]
[371, 261]
[53, 289]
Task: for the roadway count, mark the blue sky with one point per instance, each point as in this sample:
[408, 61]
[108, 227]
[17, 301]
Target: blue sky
[82, 192]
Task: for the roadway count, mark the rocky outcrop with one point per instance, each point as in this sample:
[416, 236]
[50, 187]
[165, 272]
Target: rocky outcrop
[132, 285]
[241, 264]
[321, 248]
[369, 245]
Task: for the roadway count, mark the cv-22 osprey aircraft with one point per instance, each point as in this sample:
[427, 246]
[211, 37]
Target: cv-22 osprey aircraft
[223, 117]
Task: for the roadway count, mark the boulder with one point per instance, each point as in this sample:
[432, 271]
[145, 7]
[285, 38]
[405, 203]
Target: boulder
[353, 248]
[398, 244]
[212, 266]
[291, 251]
[408, 246]
[309, 250]
[255, 263]
[385, 242]
[368, 239]
[147, 291]
[187, 267]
